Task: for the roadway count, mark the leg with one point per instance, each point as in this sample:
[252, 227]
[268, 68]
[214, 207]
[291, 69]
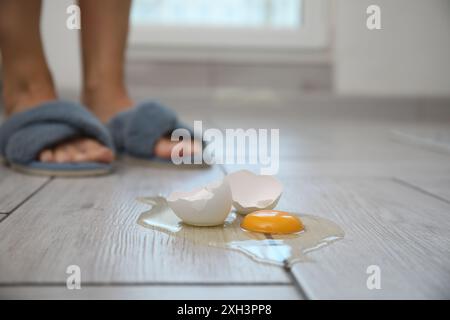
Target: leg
[104, 32]
[26, 77]
[27, 81]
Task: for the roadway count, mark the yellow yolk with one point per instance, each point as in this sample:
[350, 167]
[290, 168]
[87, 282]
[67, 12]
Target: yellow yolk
[272, 221]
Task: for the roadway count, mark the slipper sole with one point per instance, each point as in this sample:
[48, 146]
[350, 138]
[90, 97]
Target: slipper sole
[161, 163]
[60, 173]
[49, 172]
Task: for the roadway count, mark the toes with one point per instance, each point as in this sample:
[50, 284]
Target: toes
[46, 156]
[61, 154]
[164, 146]
[106, 155]
[94, 151]
[78, 150]
[71, 152]
[80, 156]
[102, 154]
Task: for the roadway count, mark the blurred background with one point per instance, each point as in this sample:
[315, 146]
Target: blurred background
[274, 52]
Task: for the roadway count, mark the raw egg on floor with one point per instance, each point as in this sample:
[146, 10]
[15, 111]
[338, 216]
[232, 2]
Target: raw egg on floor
[273, 222]
[276, 249]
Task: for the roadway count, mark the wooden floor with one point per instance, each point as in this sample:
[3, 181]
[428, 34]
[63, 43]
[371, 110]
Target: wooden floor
[384, 179]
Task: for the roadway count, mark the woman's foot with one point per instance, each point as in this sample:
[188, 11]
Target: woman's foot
[104, 30]
[27, 81]
[106, 102]
[34, 92]
[78, 150]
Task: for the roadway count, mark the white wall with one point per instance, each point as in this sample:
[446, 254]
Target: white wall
[61, 45]
[410, 56]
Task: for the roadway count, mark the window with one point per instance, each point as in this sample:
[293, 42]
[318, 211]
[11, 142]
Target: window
[218, 13]
[280, 24]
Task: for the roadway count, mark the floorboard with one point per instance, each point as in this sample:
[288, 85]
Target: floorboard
[437, 185]
[92, 223]
[382, 181]
[344, 169]
[337, 147]
[403, 231]
[15, 188]
[172, 292]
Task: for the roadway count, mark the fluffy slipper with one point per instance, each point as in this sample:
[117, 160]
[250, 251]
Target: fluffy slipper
[136, 131]
[24, 135]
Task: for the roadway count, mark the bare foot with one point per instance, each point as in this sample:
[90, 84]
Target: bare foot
[76, 150]
[106, 102]
[164, 147]
[27, 81]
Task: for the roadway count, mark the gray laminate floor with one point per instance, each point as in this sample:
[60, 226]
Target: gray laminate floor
[384, 179]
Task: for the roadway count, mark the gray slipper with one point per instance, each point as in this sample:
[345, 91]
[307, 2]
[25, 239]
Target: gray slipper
[24, 135]
[136, 131]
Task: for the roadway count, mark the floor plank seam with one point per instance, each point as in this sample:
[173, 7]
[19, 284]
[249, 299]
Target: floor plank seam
[26, 199]
[293, 280]
[419, 189]
[124, 284]
[298, 286]
[423, 143]
[288, 270]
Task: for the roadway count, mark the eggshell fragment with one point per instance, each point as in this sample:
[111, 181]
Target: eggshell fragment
[208, 206]
[252, 192]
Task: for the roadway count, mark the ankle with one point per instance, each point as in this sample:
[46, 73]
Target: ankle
[105, 100]
[23, 93]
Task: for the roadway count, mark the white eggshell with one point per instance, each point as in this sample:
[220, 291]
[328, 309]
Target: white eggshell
[252, 192]
[208, 206]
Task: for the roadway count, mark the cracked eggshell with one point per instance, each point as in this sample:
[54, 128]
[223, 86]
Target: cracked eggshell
[207, 206]
[252, 192]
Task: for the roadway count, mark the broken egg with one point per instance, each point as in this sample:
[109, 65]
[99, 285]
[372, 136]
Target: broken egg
[207, 206]
[252, 192]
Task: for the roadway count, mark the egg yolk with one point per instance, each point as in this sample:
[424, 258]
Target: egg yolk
[272, 221]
